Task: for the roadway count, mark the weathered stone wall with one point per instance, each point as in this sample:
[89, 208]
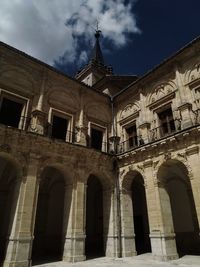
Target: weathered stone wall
[32, 154]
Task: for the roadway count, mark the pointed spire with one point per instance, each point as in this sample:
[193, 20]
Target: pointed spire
[96, 54]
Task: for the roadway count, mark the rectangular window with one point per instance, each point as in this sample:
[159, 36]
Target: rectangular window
[131, 134]
[166, 121]
[59, 127]
[96, 138]
[12, 110]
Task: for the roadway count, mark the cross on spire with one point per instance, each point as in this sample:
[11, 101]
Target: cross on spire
[97, 55]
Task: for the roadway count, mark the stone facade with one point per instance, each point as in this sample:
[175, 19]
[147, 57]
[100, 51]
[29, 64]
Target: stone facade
[124, 180]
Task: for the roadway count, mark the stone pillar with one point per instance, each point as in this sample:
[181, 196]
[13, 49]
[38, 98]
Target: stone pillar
[21, 237]
[111, 244]
[128, 235]
[144, 130]
[194, 175]
[38, 123]
[162, 235]
[74, 223]
[186, 120]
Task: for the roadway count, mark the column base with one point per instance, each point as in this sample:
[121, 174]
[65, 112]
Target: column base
[18, 252]
[111, 246]
[74, 249]
[74, 258]
[16, 264]
[163, 246]
[128, 246]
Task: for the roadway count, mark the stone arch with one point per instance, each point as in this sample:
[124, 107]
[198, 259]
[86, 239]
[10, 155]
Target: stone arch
[105, 179]
[98, 215]
[178, 206]
[10, 183]
[52, 211]
[192, 73]
[160, 90]
[134, 212]
[128, 177]
[129, 109]
[65, 169]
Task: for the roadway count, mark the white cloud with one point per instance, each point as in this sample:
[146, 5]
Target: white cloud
[48, 29]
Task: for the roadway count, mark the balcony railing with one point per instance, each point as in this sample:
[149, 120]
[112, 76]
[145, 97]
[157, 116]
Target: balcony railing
[153, 135]
[26, 124]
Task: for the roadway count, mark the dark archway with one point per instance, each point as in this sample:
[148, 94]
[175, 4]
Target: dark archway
[9, 192]
[140, 216]
[94, 244]
[48, 234]
[174, 178]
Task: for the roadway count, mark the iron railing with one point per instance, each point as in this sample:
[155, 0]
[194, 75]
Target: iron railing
[154, 134]
[26, 124]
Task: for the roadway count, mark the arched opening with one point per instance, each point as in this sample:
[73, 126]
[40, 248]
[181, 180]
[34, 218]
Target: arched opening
[174, 179]
[140, 215]
[9, 192]
[48, 234]
[94, 244]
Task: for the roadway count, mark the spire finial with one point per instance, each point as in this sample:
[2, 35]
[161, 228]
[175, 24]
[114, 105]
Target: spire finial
[97, 34]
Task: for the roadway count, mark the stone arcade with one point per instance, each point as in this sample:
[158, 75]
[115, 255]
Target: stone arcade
[100, 164]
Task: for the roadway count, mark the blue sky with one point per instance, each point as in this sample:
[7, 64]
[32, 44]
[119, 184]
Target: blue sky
[137, 34]
[166, 26]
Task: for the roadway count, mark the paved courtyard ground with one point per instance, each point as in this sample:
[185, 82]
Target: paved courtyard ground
[144, 260]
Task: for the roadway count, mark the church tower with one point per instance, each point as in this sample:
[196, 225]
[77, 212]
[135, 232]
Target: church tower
[96, 68]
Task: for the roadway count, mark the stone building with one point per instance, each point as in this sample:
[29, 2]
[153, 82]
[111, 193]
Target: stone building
[99, 164]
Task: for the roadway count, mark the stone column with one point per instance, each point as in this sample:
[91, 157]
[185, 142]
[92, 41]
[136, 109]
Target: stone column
[162, 235]
[74, 247]
[194, 175]
[128, 235]
[185, 110]
[144, 130]
[21, 237]
[111, 244]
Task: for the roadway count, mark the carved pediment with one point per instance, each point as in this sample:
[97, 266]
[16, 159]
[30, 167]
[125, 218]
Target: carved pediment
[129, 110]
[161, 91]
[193, 74]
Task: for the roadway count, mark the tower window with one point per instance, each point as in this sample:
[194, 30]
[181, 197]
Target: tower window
[59, 128]
[166, 120]
[10, 112]
[96, 138]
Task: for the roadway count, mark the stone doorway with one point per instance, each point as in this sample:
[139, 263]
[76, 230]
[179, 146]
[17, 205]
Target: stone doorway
[176, 192]
[48, 233]
[94, 244]
[9, 192]
[140, 216]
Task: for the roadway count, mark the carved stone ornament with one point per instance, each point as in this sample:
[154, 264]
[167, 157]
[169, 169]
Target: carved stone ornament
[161, 91]
[195, 73]
[129, 110]
[167, 156]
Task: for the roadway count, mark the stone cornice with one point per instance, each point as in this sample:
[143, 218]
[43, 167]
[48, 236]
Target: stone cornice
[164, 146]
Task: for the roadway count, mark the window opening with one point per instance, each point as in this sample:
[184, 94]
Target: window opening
[10, 112]
[59, 128]
[167, 124]
[132, 136]
[96, 138]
